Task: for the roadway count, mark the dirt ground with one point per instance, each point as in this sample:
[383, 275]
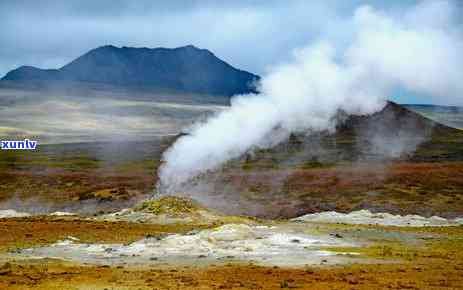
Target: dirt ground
[434, 262]
[436, 273]
[433, 188]
[17, 233]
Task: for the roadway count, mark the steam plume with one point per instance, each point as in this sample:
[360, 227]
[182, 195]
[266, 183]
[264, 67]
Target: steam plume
[412, 51]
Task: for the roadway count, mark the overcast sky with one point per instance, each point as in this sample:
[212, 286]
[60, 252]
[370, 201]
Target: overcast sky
[251, 35]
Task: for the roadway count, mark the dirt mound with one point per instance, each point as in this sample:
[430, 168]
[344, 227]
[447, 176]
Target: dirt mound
[170, 205]
[173, 210]
[392, 117]
[165, 210]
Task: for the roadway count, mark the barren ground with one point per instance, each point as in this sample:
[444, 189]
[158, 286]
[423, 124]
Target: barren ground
[412, 258]
[93, 179]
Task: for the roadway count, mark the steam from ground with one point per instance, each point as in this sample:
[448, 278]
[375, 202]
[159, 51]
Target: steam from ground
[418, 51]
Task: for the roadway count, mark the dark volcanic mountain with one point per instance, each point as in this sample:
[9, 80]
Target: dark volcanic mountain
[394, 133]
[184, 69]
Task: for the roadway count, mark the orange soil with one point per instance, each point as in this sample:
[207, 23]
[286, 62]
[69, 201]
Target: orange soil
[49, 274]
[27, 232]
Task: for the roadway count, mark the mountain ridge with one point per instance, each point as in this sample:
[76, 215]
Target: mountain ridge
[184, 69]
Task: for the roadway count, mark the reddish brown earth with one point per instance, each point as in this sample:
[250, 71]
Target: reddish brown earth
[420, 188]
[434, 263]
[51, 274]
[401, 188]
[20, 233]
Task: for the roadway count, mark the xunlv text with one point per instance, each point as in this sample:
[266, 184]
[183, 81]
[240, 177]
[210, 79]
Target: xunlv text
[25, 144]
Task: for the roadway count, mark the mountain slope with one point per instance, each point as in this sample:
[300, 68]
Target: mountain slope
[448, 115]
[184, 69]
[394, 133]
[394, 161]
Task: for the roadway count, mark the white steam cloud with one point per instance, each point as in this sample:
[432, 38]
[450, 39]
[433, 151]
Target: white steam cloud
[418, 51]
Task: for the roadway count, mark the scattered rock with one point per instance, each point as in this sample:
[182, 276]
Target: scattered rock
[336, 235]
[5, 269]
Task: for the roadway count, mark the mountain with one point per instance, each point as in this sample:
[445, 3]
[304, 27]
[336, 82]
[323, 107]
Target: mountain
[183, 69]
[393, 133]
[448, 115]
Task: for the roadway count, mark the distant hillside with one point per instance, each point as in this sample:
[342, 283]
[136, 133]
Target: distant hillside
[448, 115]
[395, 132]
[394, 160]
[184, 69]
